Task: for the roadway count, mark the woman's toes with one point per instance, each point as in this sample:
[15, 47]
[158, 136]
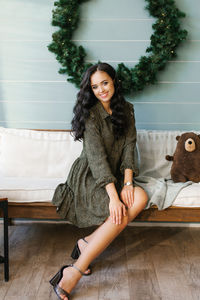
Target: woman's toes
[64, 297]
[87, 271]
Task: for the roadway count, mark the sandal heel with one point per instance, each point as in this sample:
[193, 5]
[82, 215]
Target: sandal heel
[55, 279]
[75, 253]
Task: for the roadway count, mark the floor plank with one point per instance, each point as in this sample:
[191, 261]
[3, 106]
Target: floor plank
[186, 247]
[114, 272]
[143, 282]
[172, 281]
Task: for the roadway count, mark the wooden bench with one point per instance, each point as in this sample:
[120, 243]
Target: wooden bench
[47, 211]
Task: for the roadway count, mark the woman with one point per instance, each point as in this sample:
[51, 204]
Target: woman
[99, 189]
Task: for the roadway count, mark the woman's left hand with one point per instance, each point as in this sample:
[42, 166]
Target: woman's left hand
[127, 195]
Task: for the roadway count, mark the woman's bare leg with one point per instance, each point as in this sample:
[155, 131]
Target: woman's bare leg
[100, 239]
[139, 195]
[103, 236]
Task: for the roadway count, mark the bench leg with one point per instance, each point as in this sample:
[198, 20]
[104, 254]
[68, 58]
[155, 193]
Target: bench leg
[6, 250]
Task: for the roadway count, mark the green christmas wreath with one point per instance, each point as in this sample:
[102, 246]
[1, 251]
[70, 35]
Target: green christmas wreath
[167, 35]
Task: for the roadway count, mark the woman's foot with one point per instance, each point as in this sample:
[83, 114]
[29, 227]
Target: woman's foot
[71, 276]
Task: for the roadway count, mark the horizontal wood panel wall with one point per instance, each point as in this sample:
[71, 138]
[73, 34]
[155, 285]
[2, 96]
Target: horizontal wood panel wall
[34, 95]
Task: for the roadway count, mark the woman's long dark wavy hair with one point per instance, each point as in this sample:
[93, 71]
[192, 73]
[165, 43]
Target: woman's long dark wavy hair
[86, 99]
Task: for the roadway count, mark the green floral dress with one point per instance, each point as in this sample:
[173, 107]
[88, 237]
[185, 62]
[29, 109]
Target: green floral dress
[83, 199]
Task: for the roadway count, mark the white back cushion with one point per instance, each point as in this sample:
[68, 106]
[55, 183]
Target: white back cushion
[30, 153]
[153, 146]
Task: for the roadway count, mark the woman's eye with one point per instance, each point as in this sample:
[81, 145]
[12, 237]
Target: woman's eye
[94, 87]
[105, 82]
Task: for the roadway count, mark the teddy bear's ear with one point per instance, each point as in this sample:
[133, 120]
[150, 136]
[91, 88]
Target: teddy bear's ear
[178, 137]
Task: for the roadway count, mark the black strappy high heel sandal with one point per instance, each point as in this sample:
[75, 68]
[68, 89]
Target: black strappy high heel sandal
[57, 278]
[76, 253]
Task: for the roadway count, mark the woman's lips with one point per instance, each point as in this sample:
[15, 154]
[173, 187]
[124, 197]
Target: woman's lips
[104, 95]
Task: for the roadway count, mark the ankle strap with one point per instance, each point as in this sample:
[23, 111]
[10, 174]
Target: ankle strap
[85, 240]
[75, 267]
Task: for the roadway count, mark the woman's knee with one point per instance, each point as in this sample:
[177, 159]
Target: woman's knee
[140, 196]
[140, 201]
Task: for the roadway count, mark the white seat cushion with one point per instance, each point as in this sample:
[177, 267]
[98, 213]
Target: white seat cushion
[189, 196]
[27, 196]
[18, 189]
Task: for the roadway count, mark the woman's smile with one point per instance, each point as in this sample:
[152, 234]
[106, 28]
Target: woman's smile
[104, 95]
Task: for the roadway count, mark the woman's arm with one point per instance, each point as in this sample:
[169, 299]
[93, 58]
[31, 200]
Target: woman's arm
[127, 159]
[117, 208]
[127, 193]
[128, 176]
[128, 152]
[100, 168]
[96, 153]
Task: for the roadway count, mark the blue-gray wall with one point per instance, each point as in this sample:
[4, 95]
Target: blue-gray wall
[34, 95]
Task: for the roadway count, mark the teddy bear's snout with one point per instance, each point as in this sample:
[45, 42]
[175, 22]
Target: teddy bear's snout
[190, 145]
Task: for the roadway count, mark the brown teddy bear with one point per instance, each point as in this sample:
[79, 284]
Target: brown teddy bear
[186, 158]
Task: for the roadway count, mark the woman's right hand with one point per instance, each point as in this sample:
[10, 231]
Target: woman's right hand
[117, 211]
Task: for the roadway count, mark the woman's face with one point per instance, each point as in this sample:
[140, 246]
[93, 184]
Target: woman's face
[102, 86]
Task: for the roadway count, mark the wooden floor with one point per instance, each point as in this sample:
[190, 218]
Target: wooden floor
[143, 263]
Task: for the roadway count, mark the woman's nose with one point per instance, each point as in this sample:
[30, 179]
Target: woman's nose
[101, 89]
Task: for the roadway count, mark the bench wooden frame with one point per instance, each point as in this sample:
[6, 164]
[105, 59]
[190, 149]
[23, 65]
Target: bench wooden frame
[47, 211]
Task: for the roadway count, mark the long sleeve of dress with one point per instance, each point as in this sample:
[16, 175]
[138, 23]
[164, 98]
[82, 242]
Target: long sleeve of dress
[96, 153]
[127, 158]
